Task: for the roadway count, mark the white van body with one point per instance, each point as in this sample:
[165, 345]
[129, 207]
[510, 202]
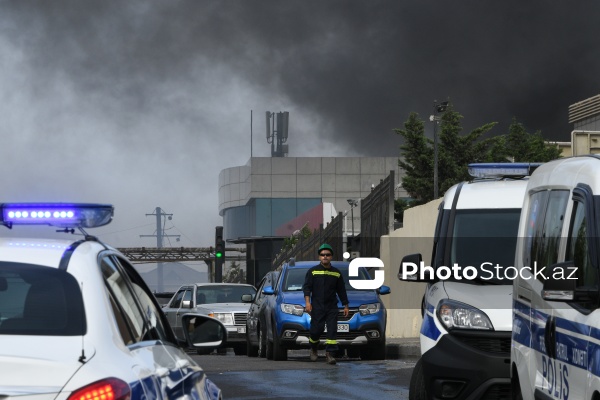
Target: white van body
[467, 323]
[556, 318]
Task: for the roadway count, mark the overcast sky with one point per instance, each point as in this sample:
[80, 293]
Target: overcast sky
[141, 103]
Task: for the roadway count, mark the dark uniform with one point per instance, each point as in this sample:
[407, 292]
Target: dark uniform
[324, 284]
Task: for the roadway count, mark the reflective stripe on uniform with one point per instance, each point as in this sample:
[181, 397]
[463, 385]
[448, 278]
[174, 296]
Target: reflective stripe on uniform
[313, 341]
[331, 341]
[336, 274]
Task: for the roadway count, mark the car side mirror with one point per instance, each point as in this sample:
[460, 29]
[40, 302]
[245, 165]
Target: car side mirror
[384, 290]
[561, 286]
[203, 332]
[410, 269]
[268, 290]
[247, 298]
[186, 304]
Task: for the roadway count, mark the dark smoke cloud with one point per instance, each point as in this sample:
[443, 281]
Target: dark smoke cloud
[145, 93]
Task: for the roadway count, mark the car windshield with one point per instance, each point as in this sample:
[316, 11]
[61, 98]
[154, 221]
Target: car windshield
[294, 278]
[222, 293]
[42, 301]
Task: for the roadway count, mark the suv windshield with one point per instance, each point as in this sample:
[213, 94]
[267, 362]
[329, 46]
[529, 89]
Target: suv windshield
[36, 300]
[294, 278]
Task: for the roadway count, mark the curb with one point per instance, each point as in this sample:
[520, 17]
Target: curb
[403, 348]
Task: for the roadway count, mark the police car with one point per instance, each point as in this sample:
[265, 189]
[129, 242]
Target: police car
[556, 316]
[78, 322]
[466, 329]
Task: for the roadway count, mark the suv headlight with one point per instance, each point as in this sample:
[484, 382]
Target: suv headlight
[294, 309]
[225, 318]
[366, 309]
[454, 314]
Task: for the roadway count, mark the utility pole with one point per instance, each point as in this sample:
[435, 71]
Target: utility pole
[160, 234]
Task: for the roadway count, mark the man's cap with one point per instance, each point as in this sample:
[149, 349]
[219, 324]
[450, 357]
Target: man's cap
[325, 246]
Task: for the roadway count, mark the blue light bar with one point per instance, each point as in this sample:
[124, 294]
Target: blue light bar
[63, 215]
[499, 170]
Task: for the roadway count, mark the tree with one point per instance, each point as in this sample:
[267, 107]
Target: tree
[456, 152]
[520, 146]
[235, 274]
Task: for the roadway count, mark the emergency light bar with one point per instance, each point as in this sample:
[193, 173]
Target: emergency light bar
[499, 170]
[62, 215]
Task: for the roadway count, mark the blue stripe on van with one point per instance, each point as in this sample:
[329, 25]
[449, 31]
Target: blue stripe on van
[428, 327]
[573, 347]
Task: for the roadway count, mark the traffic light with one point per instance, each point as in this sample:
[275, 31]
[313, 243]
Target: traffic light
[219, 253]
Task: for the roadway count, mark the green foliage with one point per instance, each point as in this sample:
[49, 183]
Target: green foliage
[456, 151]
[290, 242]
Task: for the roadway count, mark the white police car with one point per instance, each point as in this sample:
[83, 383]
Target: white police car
[466, 330]
[78, 322]
[556, 317]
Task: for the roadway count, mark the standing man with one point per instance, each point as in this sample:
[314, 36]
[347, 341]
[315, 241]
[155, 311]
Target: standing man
[321, 285]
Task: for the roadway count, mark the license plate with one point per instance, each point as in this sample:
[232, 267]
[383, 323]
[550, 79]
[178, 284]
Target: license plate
[241, 329]
[341, 328]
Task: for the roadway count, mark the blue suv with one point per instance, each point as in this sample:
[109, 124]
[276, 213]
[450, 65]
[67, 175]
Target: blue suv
[286, 326]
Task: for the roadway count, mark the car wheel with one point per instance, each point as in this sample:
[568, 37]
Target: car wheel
[239, 349]
[279, 352]
[416, 390]
[373, 352]
[353, 352]
[268, 348]
[251, 350]
[516, 388]
[262, 342]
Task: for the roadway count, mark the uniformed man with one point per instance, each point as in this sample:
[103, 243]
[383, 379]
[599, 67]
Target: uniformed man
[323, 285]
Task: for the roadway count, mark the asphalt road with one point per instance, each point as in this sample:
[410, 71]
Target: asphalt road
[241, 377]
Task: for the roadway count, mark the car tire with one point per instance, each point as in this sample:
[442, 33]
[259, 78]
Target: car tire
[240, 349]
[515, 390]
[268, 348]
[373, 352]
[262, 342]
[251, 350]
[353, 352]
[280, 353]
[417, 390]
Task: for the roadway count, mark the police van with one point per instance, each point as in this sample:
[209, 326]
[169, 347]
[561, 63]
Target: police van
[466, 329]
[556, 317]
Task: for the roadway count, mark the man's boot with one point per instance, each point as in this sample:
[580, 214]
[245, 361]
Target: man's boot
[330, 358]
[313, 355]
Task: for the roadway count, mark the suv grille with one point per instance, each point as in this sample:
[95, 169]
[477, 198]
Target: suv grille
[240, 318]
[340, 335]
[349, 317]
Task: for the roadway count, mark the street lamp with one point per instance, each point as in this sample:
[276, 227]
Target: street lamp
[353, 203]
[437, 108]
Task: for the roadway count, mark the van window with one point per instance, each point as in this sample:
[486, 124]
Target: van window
[544, 227]
[485, 236]
[578, 250]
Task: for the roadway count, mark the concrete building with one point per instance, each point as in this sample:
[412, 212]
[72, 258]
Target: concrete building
[585, 117]
[257, 199]
[267, 199]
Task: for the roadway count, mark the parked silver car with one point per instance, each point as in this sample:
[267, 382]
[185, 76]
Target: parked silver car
[222, 301]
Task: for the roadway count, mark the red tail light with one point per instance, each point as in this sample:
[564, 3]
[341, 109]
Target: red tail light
[106, 389]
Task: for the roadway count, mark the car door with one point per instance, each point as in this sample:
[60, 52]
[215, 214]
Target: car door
[162, 365]
[181, 304]
[569, 368]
